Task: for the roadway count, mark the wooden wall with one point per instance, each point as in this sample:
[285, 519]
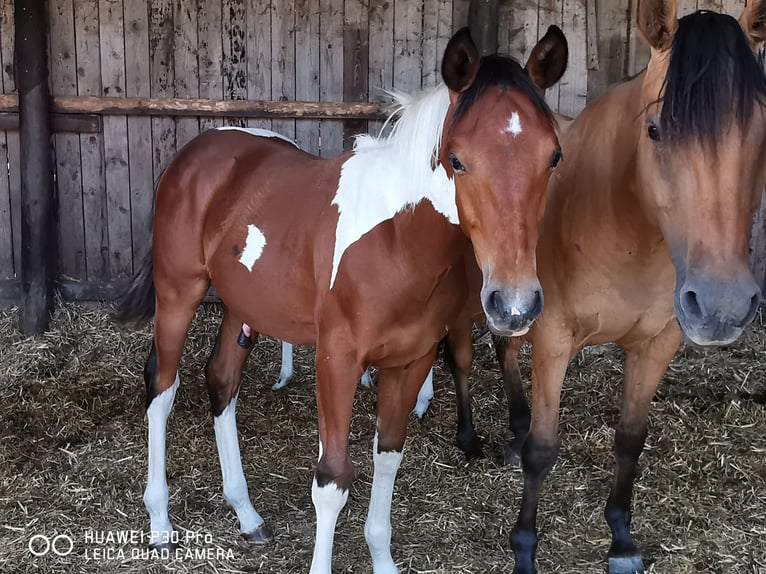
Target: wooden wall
[315, 50]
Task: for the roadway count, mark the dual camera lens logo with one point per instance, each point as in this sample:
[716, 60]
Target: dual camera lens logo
[60, 545]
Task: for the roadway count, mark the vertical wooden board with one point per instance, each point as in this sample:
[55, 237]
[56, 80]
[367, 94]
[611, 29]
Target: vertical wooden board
[91, 145]
[331, 72]
[63, 75]
[185, 70]
[162, 78]
[356, 58]
[408, 47]
[437, 29]
[638, 50]
[550, 12]
[7, 270]
[210, 34]
[520, 36]
[686, 7]
[730, 7]
[307, 69]
[714, 5]
[573, 91]
[381, 66]
[283, 60]
[116, 170]
[12, 138]
[259, 55]
[234, 54]
[138, 84]
[460, 10]
[611, 54]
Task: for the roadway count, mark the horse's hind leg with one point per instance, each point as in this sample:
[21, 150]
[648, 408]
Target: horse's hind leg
[458, 354]
[507, 352]
[172, 319]
[397, 393]
[223, 374]
[644, 367]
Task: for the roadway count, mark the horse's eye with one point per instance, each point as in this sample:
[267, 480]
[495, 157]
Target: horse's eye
[556, 158]
[456, 165]
[653, 132]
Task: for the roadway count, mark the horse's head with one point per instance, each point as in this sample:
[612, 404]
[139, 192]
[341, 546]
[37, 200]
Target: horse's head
[499, 145]
[700, 158]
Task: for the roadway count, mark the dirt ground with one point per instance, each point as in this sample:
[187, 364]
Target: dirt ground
[73, 463]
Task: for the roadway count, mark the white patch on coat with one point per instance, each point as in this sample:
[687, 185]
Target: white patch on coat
[389, 174]
[254, 244]
[258, 132]
[514, 125]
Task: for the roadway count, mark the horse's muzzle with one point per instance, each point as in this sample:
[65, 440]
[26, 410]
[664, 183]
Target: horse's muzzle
[511, 311]
[714, 312]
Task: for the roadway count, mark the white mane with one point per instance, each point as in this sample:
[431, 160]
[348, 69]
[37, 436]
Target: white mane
[388, 174]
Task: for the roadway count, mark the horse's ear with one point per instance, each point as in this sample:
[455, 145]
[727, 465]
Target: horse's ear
[461, 61]
[548, 60]
[658, 22]
[753, 22]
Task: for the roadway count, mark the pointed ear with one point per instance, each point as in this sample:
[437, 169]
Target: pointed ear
[753, 22]
[548, 60]
[461, 61]
[658, 22]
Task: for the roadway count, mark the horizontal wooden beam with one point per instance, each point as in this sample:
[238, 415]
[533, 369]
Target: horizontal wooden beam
[203, 107]
[76, 123]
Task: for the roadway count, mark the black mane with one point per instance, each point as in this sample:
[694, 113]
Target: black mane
[505, 72]
[713, 79]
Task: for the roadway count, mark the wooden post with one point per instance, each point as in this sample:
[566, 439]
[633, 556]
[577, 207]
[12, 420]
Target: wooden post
[38, 239]
[482, 21]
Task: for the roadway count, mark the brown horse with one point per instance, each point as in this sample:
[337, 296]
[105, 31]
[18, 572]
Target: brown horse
[645, 237]
[359, 255]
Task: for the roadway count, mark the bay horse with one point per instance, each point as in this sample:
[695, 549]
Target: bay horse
[358, 255]
[645, 237]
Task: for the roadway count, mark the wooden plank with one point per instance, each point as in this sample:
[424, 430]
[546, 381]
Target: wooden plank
[259, 55]
[210, 38]
[638, 50]
[356, 57]
[162, 80]
[185, 70]
[12, 139]
[91, 145]
[234, 53]
[482, 21]
[611, 30]
[38, 237]
[283, 60]
[573, 92]
[518, 29]
[7, 84]
[138, 84]
[307, 69]
[460, 10]
[116, 170]
[686, 7]
[381, 61]
[408, 48]
[331, 72]
[437, 30]
[550, 12]
[87, 123]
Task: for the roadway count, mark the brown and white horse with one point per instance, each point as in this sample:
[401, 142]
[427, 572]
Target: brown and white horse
[645, 236]
[359, 255]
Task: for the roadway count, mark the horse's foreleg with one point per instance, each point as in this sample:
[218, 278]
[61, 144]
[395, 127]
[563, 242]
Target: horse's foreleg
[397, 393]
[286, 371]
[507, 352]
[540, 449]
[337, 376]
[644, 366]
[172, 320]
[458, 354]
[223, 374]
[425, 394]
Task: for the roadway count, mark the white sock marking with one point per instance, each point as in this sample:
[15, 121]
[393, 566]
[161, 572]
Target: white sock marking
[286, 372]
[258, 132]
[234, 482]
[366, 380]
[254, 245]
[514, 125]
[387, 175]
[377, 528]
[425, 394]
[328, 500]
[156, 493]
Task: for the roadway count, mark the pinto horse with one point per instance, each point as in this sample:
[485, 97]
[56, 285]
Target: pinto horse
[645, 237]
[359, 255]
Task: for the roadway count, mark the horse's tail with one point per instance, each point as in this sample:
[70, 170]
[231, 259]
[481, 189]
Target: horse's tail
[136, 303]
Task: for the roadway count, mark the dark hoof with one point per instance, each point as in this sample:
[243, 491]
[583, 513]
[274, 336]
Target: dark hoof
[261, 535]
[626, 564]
[167, 547]
[470, 444]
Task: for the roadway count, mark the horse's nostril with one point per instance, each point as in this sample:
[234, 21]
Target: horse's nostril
[496, 303]
[537, 305]
[690, 303]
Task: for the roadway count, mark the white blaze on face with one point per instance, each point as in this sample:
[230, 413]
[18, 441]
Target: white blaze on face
[514, 125]
[254, 245]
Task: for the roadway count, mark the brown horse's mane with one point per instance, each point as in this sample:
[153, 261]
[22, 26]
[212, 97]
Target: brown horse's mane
[505, 72]
[713, 78]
